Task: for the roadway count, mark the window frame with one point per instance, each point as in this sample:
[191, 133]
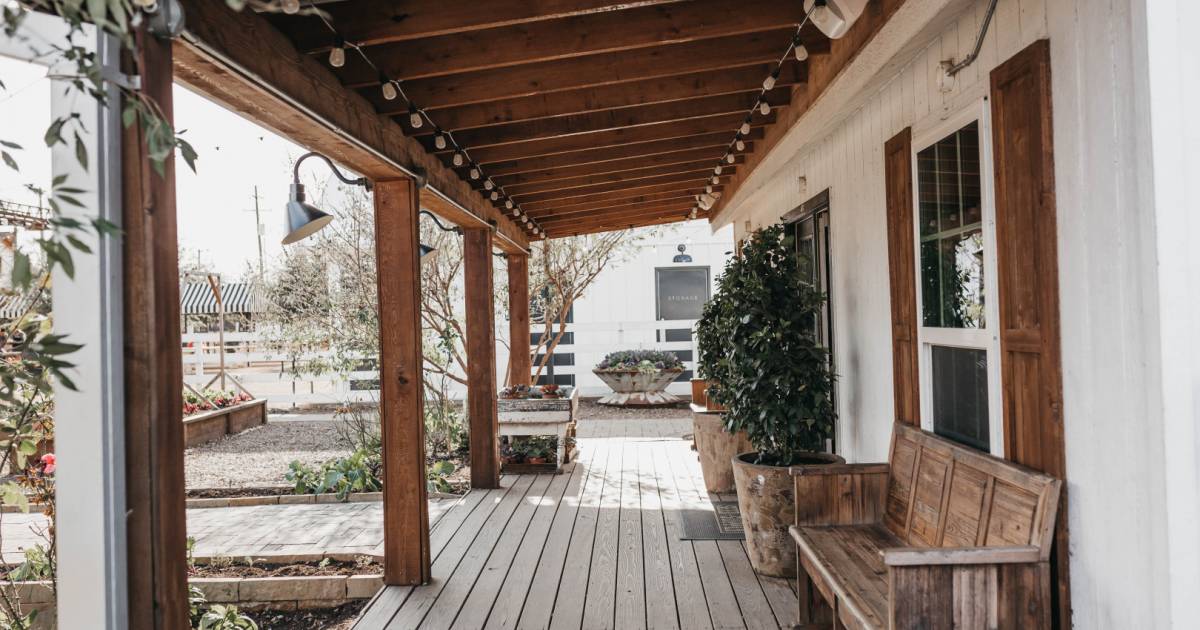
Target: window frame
[927, 133]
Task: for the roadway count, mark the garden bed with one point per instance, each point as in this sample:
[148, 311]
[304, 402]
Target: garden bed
[209, 426]
[367, 565]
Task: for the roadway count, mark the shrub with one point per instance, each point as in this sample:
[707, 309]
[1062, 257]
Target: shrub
[640, 360]
[771, 372]
[215, 616]
[360, 472]
[436, 477]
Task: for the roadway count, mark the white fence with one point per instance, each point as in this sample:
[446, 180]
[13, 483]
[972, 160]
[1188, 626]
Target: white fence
[271, 375]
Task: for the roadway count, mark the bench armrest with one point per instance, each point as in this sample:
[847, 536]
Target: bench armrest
[838, 469]
[928, 556]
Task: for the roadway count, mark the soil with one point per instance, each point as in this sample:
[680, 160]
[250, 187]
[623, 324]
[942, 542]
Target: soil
[589, 409]
[340, 618]
[239, 569]
[227, 493]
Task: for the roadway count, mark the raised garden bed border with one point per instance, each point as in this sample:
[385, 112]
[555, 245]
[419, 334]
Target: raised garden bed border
[215, 424]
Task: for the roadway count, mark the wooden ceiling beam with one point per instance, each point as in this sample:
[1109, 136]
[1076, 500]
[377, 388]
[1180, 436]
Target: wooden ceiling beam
[578, 101]
[625, 118]
[577, 36]
[240, 61]
[690, 180]
[581, 72]
[668, 199]
[701, 167]
[600, 200]
[601, 225]
[717, 141]
[379, 22]
[551, 208]
[615, 168]
[727, 123]
[660, 209]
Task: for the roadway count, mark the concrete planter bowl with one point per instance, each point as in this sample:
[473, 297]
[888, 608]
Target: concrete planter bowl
[768, 503]
[633, 388]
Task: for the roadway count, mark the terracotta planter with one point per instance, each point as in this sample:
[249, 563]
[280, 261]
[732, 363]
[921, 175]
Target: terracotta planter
[638, 389]
[699, 385]
[537, 460]
[767, 501]
[711, 402]
[716, 447]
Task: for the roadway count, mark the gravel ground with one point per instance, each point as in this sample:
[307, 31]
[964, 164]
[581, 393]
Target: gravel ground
[260, 456]
[590, 410]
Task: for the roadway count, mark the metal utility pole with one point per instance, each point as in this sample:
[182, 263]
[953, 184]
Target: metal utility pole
[258, 228]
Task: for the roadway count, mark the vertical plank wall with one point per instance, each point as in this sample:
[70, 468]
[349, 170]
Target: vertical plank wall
[850, 162]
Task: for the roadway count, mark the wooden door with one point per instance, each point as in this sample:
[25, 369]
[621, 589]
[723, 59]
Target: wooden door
[897, 158]
[1027, 274]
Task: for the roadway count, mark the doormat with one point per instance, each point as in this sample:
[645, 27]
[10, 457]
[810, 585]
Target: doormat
[723, 522]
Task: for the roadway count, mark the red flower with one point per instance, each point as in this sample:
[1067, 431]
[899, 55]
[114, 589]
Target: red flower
[49, 463]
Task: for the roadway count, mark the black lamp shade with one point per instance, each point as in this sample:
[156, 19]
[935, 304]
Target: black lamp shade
[426, 250]
[303, 220]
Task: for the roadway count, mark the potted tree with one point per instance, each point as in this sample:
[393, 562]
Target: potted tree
[715, 445]
[777, 384]
[639, 377]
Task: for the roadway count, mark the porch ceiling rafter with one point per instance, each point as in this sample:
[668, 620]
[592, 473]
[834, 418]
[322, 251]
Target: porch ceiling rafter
[592, 113]
[241, 61]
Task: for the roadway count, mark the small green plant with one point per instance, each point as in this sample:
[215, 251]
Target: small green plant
[36, 566]
[205, 616]
[436, 476]
[360, 472]
[191, 552]
[220, 562]
[639, 360]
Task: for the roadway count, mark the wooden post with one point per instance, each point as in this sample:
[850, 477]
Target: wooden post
[519, 361]
[156, 530]
[401, 394]
[481, 358]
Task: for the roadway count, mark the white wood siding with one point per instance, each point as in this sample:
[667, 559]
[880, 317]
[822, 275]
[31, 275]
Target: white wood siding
[1132, 468]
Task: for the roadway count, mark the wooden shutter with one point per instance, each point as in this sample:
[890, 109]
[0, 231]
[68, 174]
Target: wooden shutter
[1027, 257]
[897, 157]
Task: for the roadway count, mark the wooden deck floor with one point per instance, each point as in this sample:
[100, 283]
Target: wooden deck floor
[596, 547]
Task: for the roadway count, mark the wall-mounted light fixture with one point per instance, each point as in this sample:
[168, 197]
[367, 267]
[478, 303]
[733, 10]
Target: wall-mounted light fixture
[682, 256]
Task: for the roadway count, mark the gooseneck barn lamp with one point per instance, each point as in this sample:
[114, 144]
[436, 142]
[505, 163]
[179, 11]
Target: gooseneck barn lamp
[305, 219]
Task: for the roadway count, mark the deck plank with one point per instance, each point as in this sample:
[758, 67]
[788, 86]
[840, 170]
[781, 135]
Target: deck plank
[600, 597]
[689, 591]
[661, 610]
[631, 579]
[564, 490]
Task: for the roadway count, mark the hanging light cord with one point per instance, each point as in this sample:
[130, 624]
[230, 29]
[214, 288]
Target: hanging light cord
[441, 226]
[954, 69]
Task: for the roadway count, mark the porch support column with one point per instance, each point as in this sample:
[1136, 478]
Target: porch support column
[401, 393]
[519, 362]
[156, 531]
[481, 358]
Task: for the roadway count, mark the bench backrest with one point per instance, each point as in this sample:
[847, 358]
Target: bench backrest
[942, 494]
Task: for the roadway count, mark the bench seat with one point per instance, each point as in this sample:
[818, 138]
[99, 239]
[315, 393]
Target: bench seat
[846, 565]
[940, 536]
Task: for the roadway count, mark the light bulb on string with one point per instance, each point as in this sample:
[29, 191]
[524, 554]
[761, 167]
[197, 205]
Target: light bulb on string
[388, 88]
[799, 49]
[525, 219]
[708, 189]
[716, 180]
[439, 140]
[488, 184]
[508, 203]
[717, 170]
[290, 7]
[474, 173]
[459, 159]
[769, 82]
[495, 195]
[764, 108]
[740, 144]
[729, 158]
[337, 54]
[516, 212]
[414, 116]
[745, 128]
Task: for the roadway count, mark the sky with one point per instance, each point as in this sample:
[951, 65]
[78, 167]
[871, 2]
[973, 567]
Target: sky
[215, 204]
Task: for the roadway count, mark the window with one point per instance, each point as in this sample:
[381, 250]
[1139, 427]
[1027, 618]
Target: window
[956, 264]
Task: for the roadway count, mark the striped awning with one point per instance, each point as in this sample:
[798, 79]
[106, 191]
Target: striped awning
[13, 306]
[196, 298]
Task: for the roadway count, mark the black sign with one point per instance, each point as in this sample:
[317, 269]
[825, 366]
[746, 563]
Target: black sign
[682, 291]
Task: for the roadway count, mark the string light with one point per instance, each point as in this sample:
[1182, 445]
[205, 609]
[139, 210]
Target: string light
[389, 89]
[729, 158]
[488, 184]
[459, 159]
[516, 212]
[769, 82]
[717, 170]
[764, 108]
[799, 48]
[414, 116]
[474, 173]
[337, 54]
[708, 189]
[439, 140]
[290, 7]
[745, 128]
[741, 145]
[495, 195]
[716, 180]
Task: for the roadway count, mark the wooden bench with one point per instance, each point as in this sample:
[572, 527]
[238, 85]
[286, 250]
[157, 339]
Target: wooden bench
[941, 536]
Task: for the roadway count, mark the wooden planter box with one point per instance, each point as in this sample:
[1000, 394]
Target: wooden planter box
[217, 423]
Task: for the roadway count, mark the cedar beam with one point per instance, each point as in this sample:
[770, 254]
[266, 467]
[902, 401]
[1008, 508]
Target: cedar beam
[601, 200]
[519, 359]
[156, 529]
[638, 203]
[401, 391]
[592, 70]
[717, 140]
[693, 180]
[240, 61]
[594, 228]
[704, 166]
[576, 36]
[725, 123]
[381, 22]
[613, 167]
[678, 208]
[482, 410]
[643, 92]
